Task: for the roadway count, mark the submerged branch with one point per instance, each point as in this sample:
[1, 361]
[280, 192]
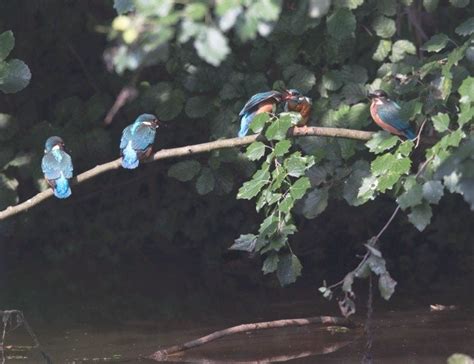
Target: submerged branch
[161, 355]
[183, 151]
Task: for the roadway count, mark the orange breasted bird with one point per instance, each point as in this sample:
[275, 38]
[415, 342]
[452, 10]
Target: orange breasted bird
[258, 103]
[387, 114]
[137, 140]
[295, 101]
[57, 167]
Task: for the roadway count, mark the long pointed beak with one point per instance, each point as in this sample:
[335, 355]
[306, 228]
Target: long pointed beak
[370, 95]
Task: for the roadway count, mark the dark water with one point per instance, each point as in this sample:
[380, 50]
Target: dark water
[402, 336]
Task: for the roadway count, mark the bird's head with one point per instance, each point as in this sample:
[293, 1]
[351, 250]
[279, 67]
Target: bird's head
[378, 96]
[296, 97]
[53, 142]
[149, 120]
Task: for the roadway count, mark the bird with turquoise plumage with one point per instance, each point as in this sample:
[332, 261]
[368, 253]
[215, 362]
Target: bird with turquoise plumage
[257, 104]
[387, 114]
[295, 101]
[57, 167]
[137, 140]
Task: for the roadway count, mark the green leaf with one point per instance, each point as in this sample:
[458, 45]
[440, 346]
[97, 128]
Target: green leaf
[459, 3]
[348, 282]
[466, 90]
[255, 151]
[259, 122]
[341, 24]
[420, 216]
[14, 76]
[332, 80]
[460, 359]
[384, 27]
[387, 7]
[245, 242]
[185, 170]
[123, 6]
[8, 194]
[212, 46]
[296, 165]
[282, 147]
[270, 264]
[350, 4]
[430, 5]
[386, 286]
[466, 115]
[315, 203]
[411, 197]
[383, 50]
[251, 188]
[360, 170]
[287, 204]
[377, 264]
[436, 43]
[205, 182]
[433, 191]
[289, 269]
[466, 28]
[318, 8]
[382, 141]
[400, 49]
[440, 122]
[299, 77]
[299, 188]
[7, 42]
[197, 106]
[278, 129]
[195, 11]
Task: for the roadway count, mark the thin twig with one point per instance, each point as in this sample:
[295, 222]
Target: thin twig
[89, 78]
[184, 151]
[161, 355]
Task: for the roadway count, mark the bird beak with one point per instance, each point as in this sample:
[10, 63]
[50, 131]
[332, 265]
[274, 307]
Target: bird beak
[371, 96]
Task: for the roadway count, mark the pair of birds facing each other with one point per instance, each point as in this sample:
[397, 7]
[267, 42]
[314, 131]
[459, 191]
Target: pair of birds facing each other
[135, 145]
[268, 101]
[385, 112]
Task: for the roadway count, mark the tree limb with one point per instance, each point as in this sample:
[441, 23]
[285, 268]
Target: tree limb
[183, 151]
[161, 355]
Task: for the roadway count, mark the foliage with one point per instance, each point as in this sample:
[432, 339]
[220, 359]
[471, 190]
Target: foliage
[14, 74]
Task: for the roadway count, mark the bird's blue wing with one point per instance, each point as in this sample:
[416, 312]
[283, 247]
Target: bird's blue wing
[143, 137]
[52, 168]
[390, 113]
[257, 99]
[126, 136]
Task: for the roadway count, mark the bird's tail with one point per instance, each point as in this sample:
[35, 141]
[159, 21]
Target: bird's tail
[129, 157]
[61, 188]
[409, 133]
[245, 124]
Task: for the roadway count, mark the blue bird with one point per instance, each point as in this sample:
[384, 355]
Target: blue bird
[137, 140]
[258, 103]
[386, 114]
[57, 167]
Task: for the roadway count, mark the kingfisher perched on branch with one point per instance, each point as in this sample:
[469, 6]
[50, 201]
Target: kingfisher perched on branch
[137, 140]
[57, 167]
[387, 114]
[295, 101]
[258, 103]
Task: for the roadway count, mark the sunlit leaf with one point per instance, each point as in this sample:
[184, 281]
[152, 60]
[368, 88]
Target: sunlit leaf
[245, 242]
[436, 43]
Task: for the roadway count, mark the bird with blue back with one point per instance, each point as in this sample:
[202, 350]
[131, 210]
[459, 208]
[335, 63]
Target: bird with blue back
[387, 114]
[137, 140]
[258, 103]
[57, 167]
[297, 102]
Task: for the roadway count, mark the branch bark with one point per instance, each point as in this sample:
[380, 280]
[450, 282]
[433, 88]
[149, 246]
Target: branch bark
[161, 355]
[183, 151]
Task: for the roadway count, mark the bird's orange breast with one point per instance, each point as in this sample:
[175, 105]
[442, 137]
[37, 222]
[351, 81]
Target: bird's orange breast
[380, 122]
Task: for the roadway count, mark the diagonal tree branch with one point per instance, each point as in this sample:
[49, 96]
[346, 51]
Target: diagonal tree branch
[183, 151]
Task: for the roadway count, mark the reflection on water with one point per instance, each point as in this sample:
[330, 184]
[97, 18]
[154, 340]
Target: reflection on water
[416, 336]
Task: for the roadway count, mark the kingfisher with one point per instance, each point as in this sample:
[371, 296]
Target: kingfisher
[137, 140]
[57, 167]
[295, 101]
[387, 114]
[258, 103]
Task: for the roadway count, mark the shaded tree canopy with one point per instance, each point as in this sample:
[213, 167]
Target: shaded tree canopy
[84, 70]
